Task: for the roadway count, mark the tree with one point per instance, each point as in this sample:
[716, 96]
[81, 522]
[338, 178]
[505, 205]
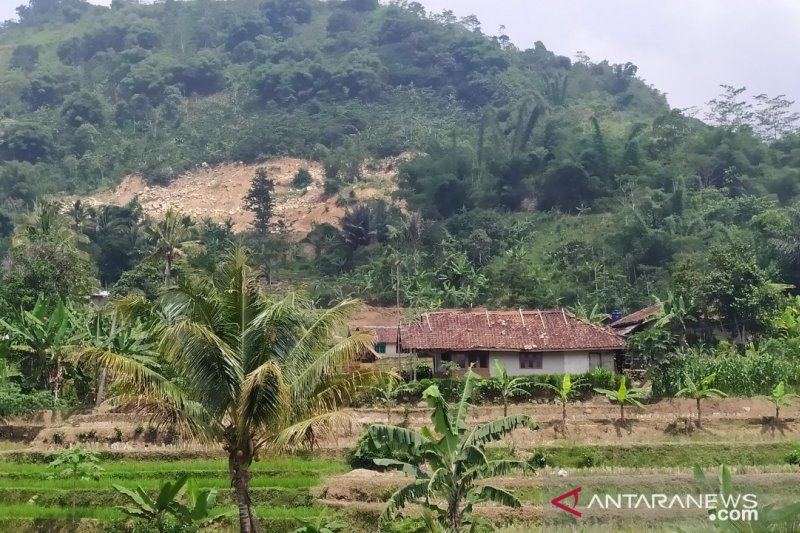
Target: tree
[780, 398]
[170, 236]
[456, 458]
[388, 391]
[43, 334]
[259, 200]
[729, 110]
[567, 391]
[505, 385]
[737, 291]
[676, 312]
[623, 396]
[76, 465]
[698, 391]
[249, 367]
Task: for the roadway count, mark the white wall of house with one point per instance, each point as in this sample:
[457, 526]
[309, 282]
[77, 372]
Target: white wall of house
[391, 348]
[554, 362]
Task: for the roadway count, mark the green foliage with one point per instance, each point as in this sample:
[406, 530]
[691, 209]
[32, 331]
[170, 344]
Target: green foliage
[456, 458]
[302, 179]
[197, 510]
[15, 402]
[739, 375]
[259, 200]
[76, 464]
[699, 391]
[623, 396]
[793, 458]
[506, 386]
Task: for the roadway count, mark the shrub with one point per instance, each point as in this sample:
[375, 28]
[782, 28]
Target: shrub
[302, 179]
[14, 402]
[539, 460]
[364, 453]
[587, 460]
[794, 457]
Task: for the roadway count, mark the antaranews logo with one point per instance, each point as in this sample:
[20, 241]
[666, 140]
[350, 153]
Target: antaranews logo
[721, 507]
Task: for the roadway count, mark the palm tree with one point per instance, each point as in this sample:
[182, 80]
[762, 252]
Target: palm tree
[699, 391]
[780, 398]
[565, 393]
[170, 236]
[456, 457]
[248, 367]
[505, 385]
[624, 396]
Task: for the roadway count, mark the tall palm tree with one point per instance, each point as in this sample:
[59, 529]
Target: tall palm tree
[169, 236]
[252, 371]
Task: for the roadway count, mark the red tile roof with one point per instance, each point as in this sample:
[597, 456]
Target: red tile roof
[387, 334]
[546, 330]
[642, 315]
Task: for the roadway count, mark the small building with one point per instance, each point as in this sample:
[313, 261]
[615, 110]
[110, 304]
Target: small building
[550, 341]
[636, 321]
[386, 343]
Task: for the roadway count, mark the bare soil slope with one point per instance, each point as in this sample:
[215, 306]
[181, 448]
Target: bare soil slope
[218, 192]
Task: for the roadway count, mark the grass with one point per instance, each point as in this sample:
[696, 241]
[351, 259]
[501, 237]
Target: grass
[669, 455]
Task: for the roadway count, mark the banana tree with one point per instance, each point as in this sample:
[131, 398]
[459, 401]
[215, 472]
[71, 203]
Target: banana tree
[388, 391]
[698, 391]
[198, 509]
[456, 458]
[43, 335]
[624, 396]
[505, 385]
[565, 393]
[780, 398]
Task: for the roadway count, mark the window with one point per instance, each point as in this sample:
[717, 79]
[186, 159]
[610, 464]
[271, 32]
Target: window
[380, 347]
[530, 360]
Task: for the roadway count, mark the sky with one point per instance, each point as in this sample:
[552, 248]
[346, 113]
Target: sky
[685, 48]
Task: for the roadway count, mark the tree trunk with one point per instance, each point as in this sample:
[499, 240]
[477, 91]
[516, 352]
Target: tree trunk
[777, 414]
[622, 412]
[564, 415]
[240, 477]
[168, 268]
[505, 406]
[101, 388]
[699, 418]
[57, 378]
[454, 514]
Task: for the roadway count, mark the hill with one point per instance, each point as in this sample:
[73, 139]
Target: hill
[534, 180]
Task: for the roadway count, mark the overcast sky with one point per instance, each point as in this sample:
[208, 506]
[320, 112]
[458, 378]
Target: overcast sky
[685, 48]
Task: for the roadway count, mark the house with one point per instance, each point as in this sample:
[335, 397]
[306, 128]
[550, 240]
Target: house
[526, 342]
[636, 321]
[386, 343]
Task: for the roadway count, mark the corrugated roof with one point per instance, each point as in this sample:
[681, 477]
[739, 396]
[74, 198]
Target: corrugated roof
[545, 330]
[642, 315]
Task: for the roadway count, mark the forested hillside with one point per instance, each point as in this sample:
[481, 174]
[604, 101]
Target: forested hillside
[535, 180]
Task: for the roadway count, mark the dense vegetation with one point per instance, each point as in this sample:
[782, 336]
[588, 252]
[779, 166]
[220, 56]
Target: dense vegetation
[542, 180]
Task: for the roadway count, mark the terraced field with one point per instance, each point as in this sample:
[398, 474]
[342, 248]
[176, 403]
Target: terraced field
[653, 455]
